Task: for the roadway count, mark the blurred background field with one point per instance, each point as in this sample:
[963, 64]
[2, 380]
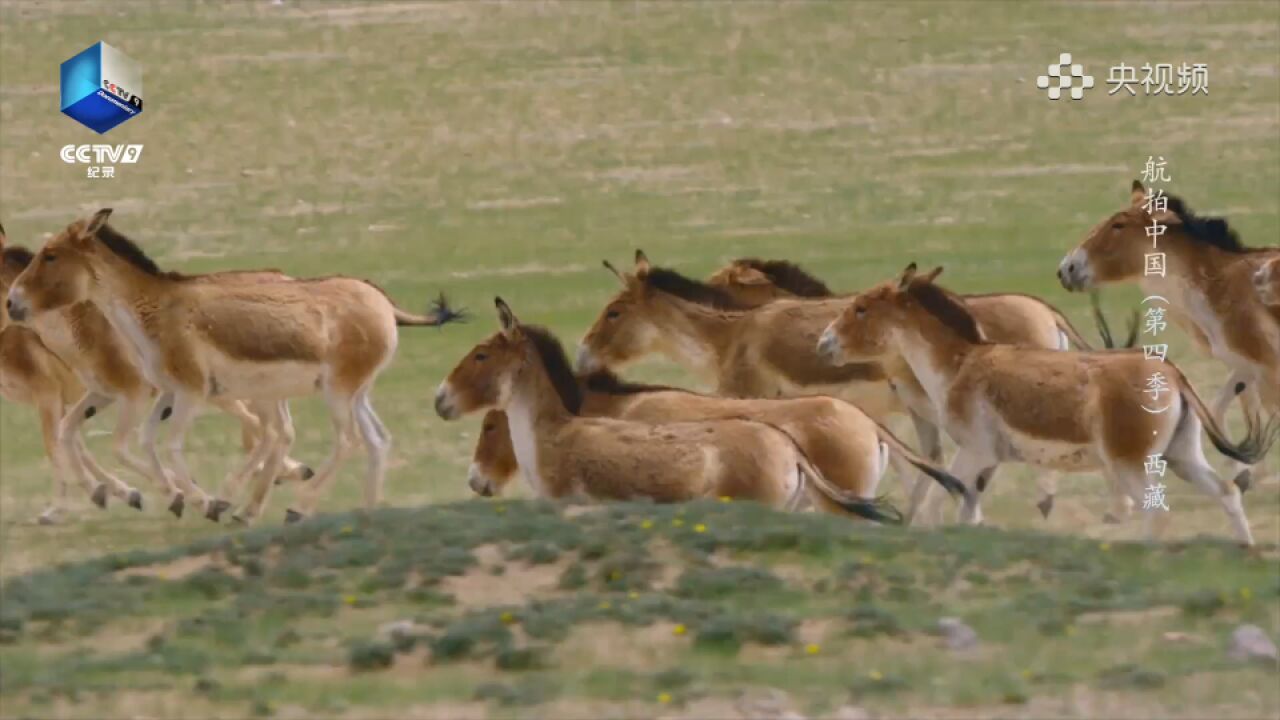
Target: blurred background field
[507, 148]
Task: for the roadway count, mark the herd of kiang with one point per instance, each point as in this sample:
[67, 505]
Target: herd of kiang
[804, 379]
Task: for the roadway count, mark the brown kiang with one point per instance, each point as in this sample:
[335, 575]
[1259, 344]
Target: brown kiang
[213, 338]
[1065, 411]
[850, 449]
[562, 453]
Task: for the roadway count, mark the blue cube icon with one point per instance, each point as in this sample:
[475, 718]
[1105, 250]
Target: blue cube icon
[101, 87]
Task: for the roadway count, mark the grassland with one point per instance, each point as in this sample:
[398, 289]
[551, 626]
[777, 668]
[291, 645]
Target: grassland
[518, 608]
[506, 149]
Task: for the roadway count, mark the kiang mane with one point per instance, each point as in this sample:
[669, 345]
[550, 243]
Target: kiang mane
[557, 366]
[1213, 231]
[788, 276]
[700, 293]
[607, 383]
[947, 308]
[126, 250]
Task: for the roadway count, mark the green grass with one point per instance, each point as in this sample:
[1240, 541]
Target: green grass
[507, 149]
[300, 607]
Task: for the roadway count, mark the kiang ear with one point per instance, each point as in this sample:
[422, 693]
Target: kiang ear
[506, 319]
[750, 276]
[96, 222]
[908, 274]
[642, 264]
[933, 274]
[609, 266]
[1138, 194]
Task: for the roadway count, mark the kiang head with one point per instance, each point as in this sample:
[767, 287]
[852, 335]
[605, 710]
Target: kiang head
[486, 377]
[753, 282]
[61, 273]
[494, 464]
[1266, 282]
[865, 329]
[628, 327]
[1116, 249]
[747, 282]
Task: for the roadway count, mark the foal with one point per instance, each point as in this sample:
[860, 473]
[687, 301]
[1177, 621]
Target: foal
[1062, 410]
[523, 370]
[846, 446]
[213, 338]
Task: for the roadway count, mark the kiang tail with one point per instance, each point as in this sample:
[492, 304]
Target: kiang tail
[877, 510]
[1259, 437]
[949, 482]
[1104, 327]
[441, 312]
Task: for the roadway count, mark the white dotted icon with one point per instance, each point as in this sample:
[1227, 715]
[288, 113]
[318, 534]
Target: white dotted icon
[1062, 75]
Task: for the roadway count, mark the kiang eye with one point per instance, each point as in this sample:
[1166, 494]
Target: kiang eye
[613, 315]
[50, 257]
[481, 357]
[860, 312]
[1117, 225]
[488, 428]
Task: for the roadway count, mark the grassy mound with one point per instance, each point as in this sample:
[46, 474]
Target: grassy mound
[485, 607]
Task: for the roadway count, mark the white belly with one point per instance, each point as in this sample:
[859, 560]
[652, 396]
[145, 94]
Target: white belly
[1054, 454]
[234, 378]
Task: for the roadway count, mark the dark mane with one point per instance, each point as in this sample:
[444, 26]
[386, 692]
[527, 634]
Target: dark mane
[126, 250]
[672, 282]
[788, 276]
[16, 257]
[606, 383]
[1212, 231]
[949, 309]
[556, 363]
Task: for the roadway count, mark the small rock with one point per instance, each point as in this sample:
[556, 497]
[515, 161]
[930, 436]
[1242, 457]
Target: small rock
[766, 704]
[1250, 642]
[399, 631]
[958, 635]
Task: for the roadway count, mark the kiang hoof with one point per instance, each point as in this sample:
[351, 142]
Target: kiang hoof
[238, 519]
[99, 496]
[1244, 480]
[47, 519]
[177, 504]
[134, 500]
[292, 516]
[216, 508]
[307, 473]
[1046, 506]
[1110, 519]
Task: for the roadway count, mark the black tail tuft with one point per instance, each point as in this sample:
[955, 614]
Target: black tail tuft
[879, 510]
[445, 313]
[949, 482]
[1104, 327]
[1258, 440]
